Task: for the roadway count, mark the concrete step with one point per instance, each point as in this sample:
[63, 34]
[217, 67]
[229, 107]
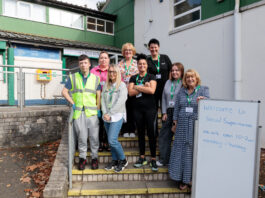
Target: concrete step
[132, 155]
[132, 189]
[130, 173]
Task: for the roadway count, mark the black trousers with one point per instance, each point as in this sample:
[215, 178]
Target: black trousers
[129, 126]
[103, 138]
[145, 119]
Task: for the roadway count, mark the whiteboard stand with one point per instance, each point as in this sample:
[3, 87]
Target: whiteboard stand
[205, 150]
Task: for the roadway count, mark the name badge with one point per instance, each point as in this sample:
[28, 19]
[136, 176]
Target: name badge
[127, 79]
[102, 83]
[158, 76]
[139, 95]
[171, 103]
[189, 110]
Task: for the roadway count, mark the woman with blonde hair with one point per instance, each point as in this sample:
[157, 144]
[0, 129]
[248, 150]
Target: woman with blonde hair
[114, 96]
[128, 68]
[185, 113]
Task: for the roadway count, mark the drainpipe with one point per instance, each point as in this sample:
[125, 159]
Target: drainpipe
[237, 52]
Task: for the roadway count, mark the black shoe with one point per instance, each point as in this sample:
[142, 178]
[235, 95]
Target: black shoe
[100, 149]
[140, 162]
[153, 165]
[121, 165]
[111, 165]
[82, 164]
[94, 164]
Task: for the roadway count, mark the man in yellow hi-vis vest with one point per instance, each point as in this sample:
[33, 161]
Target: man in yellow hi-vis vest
[85, 90]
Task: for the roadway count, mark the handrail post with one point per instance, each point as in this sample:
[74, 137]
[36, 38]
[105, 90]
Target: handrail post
[20, 89]
[70, 147]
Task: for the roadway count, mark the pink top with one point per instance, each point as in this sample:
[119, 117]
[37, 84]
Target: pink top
[126, 75]
[102, 74]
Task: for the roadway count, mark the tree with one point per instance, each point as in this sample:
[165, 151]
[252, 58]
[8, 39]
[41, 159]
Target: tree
[100, 4]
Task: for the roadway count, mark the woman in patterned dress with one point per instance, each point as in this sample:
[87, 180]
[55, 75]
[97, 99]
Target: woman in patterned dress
[128, 67]
[185, 113]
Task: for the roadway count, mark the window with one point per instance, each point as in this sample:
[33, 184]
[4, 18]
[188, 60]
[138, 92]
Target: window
[100, 25]
[186, 12]
[24, 10]
[64, 18]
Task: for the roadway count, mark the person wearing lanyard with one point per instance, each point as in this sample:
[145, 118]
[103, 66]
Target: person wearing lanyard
[184, 116]
[170, 91]
[158, 65]
[128, 68]
[101, 71]
[142, 88]
[85, 100]
[114, 96]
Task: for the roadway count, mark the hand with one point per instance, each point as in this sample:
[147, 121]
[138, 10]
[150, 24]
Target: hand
[147, 84]
[200, 98]
[99, 114]
[73, 107]
[106, 117]
[164, 117]
[174, 126]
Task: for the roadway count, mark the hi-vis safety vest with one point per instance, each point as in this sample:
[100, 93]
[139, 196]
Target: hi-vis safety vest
[84, 96]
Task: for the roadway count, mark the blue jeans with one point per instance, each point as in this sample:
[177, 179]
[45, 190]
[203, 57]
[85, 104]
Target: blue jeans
[113, 130]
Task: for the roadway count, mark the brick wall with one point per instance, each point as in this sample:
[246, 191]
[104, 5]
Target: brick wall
[32, 126]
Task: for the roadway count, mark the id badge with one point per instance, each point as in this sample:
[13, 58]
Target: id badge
[189, 110]
[139, 95]
[102, 83]
[171, 103]
[158, 76]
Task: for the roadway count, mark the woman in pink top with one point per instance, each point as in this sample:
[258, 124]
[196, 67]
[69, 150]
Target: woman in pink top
[128, 67]
[102, 70]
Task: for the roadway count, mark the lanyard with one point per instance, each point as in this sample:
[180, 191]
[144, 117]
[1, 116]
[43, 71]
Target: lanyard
[158, 63]
[127, 71]
[141, 80]
[172, 91]
[83, 80]
[110, 96]
[188, 97]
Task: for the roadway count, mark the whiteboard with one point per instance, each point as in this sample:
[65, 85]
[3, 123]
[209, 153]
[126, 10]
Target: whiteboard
[226, 149]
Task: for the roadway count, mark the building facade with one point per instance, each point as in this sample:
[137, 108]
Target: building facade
[47, 36]
[225, 46]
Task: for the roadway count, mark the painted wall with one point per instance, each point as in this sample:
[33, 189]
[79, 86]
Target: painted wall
[209, 49]
[124, 24]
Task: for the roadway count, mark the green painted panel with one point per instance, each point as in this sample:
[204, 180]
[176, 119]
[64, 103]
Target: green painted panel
[64, 66]
[54, 31]
[10, 77]
[1, 7]
[124, 24]
[2, 45]
[211, 8]
[247, 2]
[4, 62]
[47, 15]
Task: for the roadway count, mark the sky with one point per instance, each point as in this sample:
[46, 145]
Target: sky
[90, 3]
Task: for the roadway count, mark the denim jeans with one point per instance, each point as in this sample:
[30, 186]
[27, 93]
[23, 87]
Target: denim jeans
[165, 138]
[113, 130]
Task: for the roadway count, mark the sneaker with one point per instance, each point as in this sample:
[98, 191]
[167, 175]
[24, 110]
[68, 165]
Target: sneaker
[158, 163]
[126, 135]
[141, 162]
[94, 164]
[153, 165]
[82, 163]
[132, 135]
[121, 165]
[111, 165]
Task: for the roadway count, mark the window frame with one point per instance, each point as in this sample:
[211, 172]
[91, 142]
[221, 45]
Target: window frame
[31, 5]
[105, 26]
[60, 11]
[184, 14]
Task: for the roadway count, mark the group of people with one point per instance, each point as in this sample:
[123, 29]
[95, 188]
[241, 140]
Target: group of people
[109, 99]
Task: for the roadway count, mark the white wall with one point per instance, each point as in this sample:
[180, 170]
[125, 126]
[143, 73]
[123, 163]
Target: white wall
[3, 86]
[209, 48]
[32, 86]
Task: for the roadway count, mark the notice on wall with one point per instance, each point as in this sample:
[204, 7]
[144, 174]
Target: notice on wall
[225, 154]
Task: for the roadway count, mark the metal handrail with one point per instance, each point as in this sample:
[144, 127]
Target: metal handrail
[28, 67]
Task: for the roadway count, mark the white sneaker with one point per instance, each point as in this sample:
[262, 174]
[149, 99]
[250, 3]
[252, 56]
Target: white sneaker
[132, 135]
[158, 163]
[126, 135]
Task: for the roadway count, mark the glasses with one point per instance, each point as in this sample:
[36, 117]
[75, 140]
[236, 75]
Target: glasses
[112, 72]
[176, 70]
[128, 50]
